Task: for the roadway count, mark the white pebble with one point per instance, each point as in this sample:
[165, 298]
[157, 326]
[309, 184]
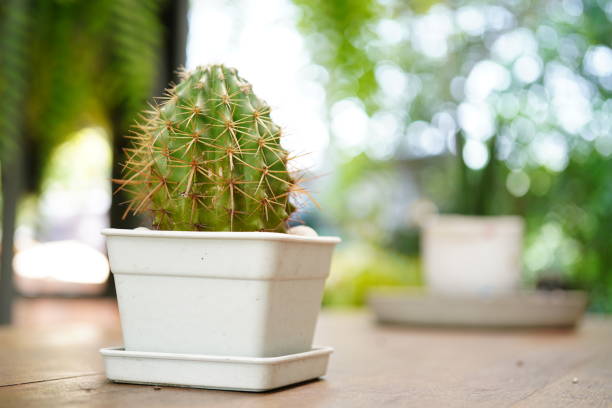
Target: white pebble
[302, 230]
[575, 380]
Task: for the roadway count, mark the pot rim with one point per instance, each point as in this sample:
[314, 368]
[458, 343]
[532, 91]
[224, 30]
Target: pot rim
[254, 235]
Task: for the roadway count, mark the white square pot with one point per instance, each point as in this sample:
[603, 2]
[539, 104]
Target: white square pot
[253, 294]
[472, 255]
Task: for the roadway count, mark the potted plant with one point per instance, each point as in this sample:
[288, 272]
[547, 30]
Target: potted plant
[472, 270]
[218, 275]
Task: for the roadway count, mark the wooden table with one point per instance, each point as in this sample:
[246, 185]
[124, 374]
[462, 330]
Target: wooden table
[373, 366]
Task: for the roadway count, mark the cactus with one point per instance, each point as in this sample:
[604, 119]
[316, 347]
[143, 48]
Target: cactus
[208, 157]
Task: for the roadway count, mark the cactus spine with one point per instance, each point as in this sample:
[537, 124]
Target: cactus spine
[208, 158]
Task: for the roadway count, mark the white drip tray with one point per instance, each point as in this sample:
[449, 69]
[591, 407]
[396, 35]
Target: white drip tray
[254, 374]
[523, 309]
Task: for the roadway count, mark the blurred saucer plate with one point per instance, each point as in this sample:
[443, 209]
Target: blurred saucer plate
[521, 309]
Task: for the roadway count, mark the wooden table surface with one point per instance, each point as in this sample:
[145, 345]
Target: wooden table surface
[373, 366]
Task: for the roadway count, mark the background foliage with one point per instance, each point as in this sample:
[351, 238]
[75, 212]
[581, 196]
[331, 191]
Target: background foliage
[540, 73]
[476, 106]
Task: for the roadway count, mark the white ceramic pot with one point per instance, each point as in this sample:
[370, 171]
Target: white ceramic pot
[254, 294]
[472, 255]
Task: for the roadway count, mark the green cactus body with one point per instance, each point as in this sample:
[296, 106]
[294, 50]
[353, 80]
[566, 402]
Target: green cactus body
[208, 158]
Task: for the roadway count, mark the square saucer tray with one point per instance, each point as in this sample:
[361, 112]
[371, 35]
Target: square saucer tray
[523, 309]
[255, 374]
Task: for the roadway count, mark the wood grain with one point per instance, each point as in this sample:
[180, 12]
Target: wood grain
[373, 366]
[30, 355]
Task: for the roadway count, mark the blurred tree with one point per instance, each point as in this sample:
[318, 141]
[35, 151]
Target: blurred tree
[513, 97]
[13, 69]
[67, 64]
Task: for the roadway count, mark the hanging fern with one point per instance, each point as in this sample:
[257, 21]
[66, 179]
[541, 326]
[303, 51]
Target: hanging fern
[135, 38]
[14, 25]
[67, 64]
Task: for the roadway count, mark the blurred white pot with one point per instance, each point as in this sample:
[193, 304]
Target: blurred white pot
[472, 255]
[254, 294]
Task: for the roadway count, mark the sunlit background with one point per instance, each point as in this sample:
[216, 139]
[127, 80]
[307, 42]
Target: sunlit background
[396, 110]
